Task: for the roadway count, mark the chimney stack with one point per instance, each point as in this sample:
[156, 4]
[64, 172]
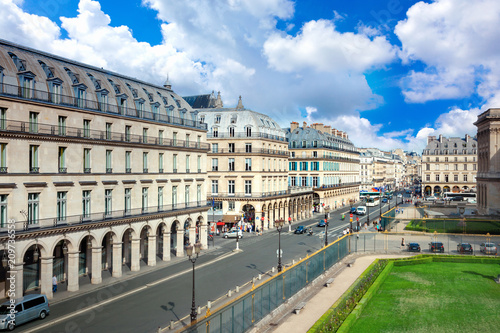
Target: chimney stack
[304, 125]
[293, 126]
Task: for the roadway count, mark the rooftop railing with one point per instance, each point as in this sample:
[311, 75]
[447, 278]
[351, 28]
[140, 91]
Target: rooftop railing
[244, 135]
[253, 151]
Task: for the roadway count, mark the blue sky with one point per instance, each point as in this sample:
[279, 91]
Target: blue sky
[390, 73]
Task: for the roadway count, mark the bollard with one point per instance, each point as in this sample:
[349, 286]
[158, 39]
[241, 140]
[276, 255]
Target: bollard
[171, 324]
[199, 311]
[253, 280]
[272, 269]
[229, 293]
[237, 289]
[209, 305]
[260, 276]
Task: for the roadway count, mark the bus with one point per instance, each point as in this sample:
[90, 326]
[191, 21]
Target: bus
[372, 201]
[470, 196]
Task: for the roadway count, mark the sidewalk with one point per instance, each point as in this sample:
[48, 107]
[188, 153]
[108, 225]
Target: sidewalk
[324, 298]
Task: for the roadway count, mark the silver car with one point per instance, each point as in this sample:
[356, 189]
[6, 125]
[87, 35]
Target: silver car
[22, 310]
[488, 248]
[233, 234]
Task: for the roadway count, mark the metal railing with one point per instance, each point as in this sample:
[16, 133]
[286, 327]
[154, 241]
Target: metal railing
[239, 135]
[80, 103]
[249, 195]
[253, 151]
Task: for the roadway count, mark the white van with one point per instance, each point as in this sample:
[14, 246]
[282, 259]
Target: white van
[22, 310]
[361, 210]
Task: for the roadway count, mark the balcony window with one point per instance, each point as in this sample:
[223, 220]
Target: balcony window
[33, 123]
[215, 132]
[86, 160]
[249, 132]
[215, 164]
[231, 147]
[109, 160]
[33, 208]
[230, 189]
[62, 160]
[144, 135]
[3, 112]
[128, 200]
[198, 163]
[3, 210]
[86, 204]
[215, 186]
[248, 147]
[145, 162]
[188, 163]
[86, 128]
[160, 198]
[174, 163]
[160, 137]
[128, 168]
[187, 189]
[248, 164]
[248, 187]
[144, 199]
[215, 147]
[3, 158]
[231, 164]
[174, 139]
[198, 195]
[160, 162]
[128, 129]
[61, 206]
[174, 197]
[108, 131]
[34, 159]
[108, 200]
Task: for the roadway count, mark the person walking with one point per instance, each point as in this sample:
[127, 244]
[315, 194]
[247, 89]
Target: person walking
[402, 242]
[54, 284]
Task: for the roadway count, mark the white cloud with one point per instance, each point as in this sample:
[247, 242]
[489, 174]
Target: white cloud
[457, 41]
[320, 47]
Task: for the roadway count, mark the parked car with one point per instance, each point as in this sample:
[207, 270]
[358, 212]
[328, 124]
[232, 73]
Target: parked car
[413, 247]
[464, 248]
[488, 248]
[321, 224]
[400, 195]
[436, 247]
[300, 230]
[353, 210]
[233, 233]
[384, 199]
[28, 308]
[361, 210]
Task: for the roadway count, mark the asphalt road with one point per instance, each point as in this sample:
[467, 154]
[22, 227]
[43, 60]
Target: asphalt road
[150, 301]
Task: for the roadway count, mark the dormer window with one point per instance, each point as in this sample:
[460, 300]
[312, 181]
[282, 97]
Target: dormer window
[202, 119]
[139, 104]
[249, 131]
[215, 132]
[217, 119]
[233, 119]
[155, 108]
[122, 103]
[304, 144]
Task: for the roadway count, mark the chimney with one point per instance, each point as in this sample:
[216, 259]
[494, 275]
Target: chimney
[327, 128]
[430, 138]
[304, 125]
[240, 105]
[293, 126]
[440, 137]
[218, 102]
[467, 137]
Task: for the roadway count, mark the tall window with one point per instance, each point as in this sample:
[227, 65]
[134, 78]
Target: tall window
[144, 135]
[187, 163]
[248, 147]
[27, 87]
[108, 131]
[186, 195]
[455, 178]
[86, 160]
[145, 162]
[33, 122]
[315, 182]
[108, 200]
[174, 163]
[215, 164]
[187, 140]
[3, 210]
[62, 160]
[428, 178]
[33, 208]
[160, 198]
[465, 166]
[249, 131]
[465, 178]
[231, 132]
[3, 158]
[109, 161]
[128, 200]
[3, 113]
[128, 130]
[230, 189]
[215, 132]
[215, 147]
[174, 197]
[86, 128]
[128, 169]
[198, 163]
[34, 159]
[215, 186]
[86, 204]
[160, 162]
[61, 122]
[248, 187]
[144, 199]
[437, 178]
[174, 139]
[198, 195]
[160, 137]
[248, 164]
[231, 148]
[231, 164]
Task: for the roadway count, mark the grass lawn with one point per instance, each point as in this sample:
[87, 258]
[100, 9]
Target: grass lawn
[455, 226]
[435, 297]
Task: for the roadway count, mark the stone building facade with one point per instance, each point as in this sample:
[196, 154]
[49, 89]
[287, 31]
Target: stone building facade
[98, 171]
[488, 174]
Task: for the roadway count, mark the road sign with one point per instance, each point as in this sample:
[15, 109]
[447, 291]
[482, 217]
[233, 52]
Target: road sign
[357, 218]
[350, 215]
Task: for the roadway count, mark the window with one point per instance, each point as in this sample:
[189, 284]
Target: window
[315, 154]
[315, 182]
[144, 135]
[128, 200]
[34, 159]
[230, 189]
[304, 181]
[128, 169]
[61, 125]
[303, 165]
[174, 163]
[437, 166]
[293, 166]
[187, 140]
[215, 186]
[198, 195]
[217, 119]
[86, 204]
[33, 123]
[230, 206]
[215, 164]
[248, 187]
[3, 111]
[428, 178]
[465, 178]
[186, 195]
[198, 163]
[145, 162]
[215, 132]
[86, 128]
[128, 129]
[315, 144]
[160, 137]
[455, 178]
[187, 163]
[3, 210]
[445, 178]
[446, 159]
[474, 167]
[174, 139]
[249, 131]
[304, 144]
[160, 198]
[108, 131]
[231, 148]
[108, 200]
[27, 84]
[437, 178]
[3, 158]
[437, 159]
[248, 164]
[86, 160]
[231, 164]
[144, 199]
[174, 197]
[248, 147]
[215, 147]
[455, 166]
[293, 181]
[160, 162]
[465, 166]
[62, 160]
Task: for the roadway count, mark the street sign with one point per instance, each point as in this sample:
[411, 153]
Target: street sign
[351, 219]
[262, 218]
[350, 216]
[357, 218]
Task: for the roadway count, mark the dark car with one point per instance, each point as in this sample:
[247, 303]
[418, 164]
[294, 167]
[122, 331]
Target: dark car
[413, 247]
[436, 247]
[321, 224]
[464, 248]
[384, 199]
[300, 229]
[353, 210]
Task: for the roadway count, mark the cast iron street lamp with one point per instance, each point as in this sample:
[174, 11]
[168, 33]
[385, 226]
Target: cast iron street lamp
[367, 212]
[279, 225]
[189, 250]
[326, 225]
[351, 202]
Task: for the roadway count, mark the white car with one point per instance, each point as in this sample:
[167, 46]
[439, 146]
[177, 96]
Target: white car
[400, 195]
[233, 234]
[430, 199]
[361, 210]
[488, 248]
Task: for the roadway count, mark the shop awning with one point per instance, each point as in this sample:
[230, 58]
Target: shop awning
[220, 223]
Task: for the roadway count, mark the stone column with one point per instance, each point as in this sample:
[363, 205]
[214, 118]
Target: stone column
[135, 264]
[179, 251]
[152, 250]
[117, 260]
[73, 265]
[46, 274]
[203, 236]
[166, 246]
[15, 280]
[192, 235]
[96, 276]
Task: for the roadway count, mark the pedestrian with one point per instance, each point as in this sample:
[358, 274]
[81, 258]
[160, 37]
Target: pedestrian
[403, 242]
[54, 284]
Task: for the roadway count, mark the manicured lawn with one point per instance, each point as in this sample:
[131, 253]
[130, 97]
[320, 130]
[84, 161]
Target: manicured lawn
[472, 226]
[435, 297]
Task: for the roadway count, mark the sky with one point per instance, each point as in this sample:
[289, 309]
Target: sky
[389, 73]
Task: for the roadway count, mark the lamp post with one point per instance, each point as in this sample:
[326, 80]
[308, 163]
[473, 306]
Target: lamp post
[351, 202]
[189, 250]
[367, 212]
[326, 225]
[279, 226]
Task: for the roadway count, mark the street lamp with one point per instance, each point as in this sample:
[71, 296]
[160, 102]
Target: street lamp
[367, 212]
[279, 225]
[189, 250]
[326, 225]
[351, 202]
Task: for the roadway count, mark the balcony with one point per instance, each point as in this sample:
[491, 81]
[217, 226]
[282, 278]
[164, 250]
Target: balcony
[220, 135]
[109, 170]
[160, 171]
[128, 170]
[3, 169]
[68, 221]
[34, 169]
[63, 170]
[254, 151]
[14, 91]
[253, 194]
[87, 170]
